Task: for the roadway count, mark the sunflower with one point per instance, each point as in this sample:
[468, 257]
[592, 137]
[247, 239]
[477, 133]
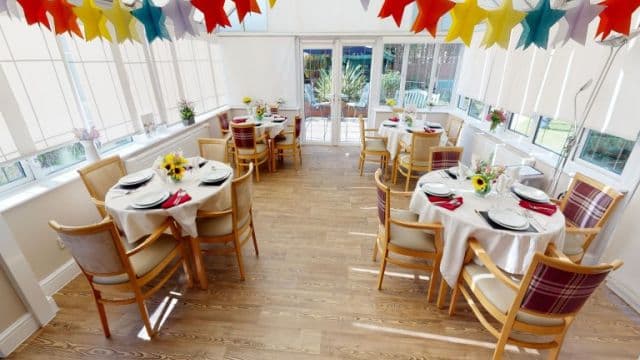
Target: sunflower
[479, 183]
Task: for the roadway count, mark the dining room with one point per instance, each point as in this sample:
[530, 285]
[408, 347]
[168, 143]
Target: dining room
[336, 179]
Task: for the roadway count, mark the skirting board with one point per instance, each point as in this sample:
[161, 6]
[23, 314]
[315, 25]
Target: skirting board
[628, 295]
[59, 278]
[17, 333]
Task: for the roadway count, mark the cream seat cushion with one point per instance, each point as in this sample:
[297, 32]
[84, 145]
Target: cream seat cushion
[405, 158]
[414, 239]
[260, 148]
[219, 226]
[573, 244]
[144, 261]
[287, 139]
[502, 297]
[375, 145]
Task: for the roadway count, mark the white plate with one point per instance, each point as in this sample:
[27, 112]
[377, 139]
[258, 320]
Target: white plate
[454, 170]
[433, 124]
[509, 218]
[216, 175]
[436, 189]
[530, 193]
[136, 178]
[150, 199]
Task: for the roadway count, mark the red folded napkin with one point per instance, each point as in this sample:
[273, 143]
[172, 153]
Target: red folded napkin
[394, 119]
[239, 120]
[179, 197]
[429, 130]
[445, 202]
[546, 209]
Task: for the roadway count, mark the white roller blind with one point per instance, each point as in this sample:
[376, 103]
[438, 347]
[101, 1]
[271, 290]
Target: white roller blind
[475, 70]
[539, 63]
[217, 66]
[517, 75]
[496, 79]
[166, 71]
[137, 69]
[553, 90]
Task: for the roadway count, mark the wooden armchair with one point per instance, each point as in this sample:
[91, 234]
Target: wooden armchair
[417, 160]
[114, 271]
[215, 149]
[249, 147]
[372, 145]
[444, 157]
[586, 207]
[400, 233]
[289, 142]
[99, 177]
[535, 312]
[453, 129]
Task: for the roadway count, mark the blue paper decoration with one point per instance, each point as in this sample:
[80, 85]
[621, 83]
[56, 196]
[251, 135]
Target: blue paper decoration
[153, 19]
[537, 24]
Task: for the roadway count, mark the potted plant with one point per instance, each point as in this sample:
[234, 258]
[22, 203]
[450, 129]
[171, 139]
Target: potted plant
[496, 117]
[88, 139]
[187, 113]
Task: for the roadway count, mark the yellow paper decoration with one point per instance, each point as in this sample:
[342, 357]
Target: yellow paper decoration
[121, 19]
[465, 16]
[501, 22]
[272, 3]
[95, 24]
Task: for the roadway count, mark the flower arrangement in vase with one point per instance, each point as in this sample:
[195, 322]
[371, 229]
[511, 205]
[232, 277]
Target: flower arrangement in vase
[174, 165]
[484, 176]
[261, 109]
[187, 113]
[89, 140]
[410, 113]
[392, 103]
[247, 100]
[496, 117]
[273, 108]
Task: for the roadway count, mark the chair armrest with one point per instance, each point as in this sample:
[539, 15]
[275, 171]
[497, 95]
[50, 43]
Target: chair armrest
[481, 254]
[402, 193]
[553, 251]
[152, 238]
[202, 214]
[97, 202]
[417, 225]
[228, 137]
[583, 231]
[383, 138]
[376, 130]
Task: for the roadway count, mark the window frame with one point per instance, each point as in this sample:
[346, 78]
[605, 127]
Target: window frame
[537, 130]
[482, 111]
[534, 119]
[581, 147]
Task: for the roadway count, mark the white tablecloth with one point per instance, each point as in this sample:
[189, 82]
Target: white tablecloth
[399, 132]
[511, 251]
[138, 223]
[269, 127]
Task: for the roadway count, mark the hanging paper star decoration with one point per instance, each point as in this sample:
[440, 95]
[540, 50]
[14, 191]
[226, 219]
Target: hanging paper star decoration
[429, 13]
[180, 12]
[214, 13]
[272, 3]
[121, 20]
[95, 24]
[153, 21]
[537, 25]
[64, 20]
[35, 12]
[4, 7]
[576, 22]
[243, 7]
[616, 17]
[365, 4]
[465, 16]
[501, 22]
[394, 8]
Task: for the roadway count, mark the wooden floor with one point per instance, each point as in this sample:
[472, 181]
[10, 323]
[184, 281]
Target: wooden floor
[311, 294]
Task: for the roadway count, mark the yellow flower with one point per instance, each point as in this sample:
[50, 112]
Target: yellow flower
[247, 100]
[479, 183]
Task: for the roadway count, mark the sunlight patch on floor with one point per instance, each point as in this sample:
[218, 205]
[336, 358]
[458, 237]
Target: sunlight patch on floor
[390, 273]
[160, 315]
[355, 233]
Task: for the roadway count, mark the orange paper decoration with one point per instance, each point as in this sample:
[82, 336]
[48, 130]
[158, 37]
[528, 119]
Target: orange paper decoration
[243, 7]
[214, 13]
[429, 13]
[35, 12]
[616, 16]
[64, 19]
[394, 8]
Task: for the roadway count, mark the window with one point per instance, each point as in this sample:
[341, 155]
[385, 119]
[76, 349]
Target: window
[463, 102]
[475, 109]
[391, 69]
[606, 151]
[12, 173]
[166, 71]
[105, 148]
[138, 74]
[418, 77]
[60, 158]
[551, 134]
[447, 64]
[521, 124]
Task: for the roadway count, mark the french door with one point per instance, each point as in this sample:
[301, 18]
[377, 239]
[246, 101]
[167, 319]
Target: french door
[336, 89]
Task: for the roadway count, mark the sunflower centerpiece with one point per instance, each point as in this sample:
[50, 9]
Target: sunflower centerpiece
[174, 166]
[485, 175]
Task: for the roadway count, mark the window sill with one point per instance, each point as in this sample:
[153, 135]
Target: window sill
[443, 109]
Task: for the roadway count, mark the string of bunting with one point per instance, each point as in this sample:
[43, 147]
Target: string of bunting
[614, 16]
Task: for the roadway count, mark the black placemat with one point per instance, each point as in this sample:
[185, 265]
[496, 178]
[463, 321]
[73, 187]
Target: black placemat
[389, 125]
[485, 215]
[451, 175]
[217, 183]
[133, 187]
[279, 120]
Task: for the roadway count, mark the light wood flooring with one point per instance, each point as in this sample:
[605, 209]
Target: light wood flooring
[311, 294]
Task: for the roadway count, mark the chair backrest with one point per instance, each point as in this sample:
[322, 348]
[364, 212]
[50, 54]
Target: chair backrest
[417, 97]
[242, 194]
[364, 96]
[383, 204]
[96, 248]
[100, 176]
[560, 288]
[588, 202]
[223, 120]
[297, 126]
[443, 157]
[421, 144]
[244, 135]
[213, 149]
[454, 125]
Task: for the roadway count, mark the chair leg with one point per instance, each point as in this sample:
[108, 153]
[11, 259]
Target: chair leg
[454, 298]
[236, 244]
[442, 292]
[502, 343]
[363, 156]
[144, 313]
[103, 314]
[374, 257]
[200, 271]
[394, 176]
[383, 266]
[255, 162]
[253, 234]
[295, 160]
[406, 185]
[300, 154]
[432, 282]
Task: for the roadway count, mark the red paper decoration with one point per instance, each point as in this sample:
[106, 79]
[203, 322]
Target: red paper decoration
[35, 12]
[394, 8]
[429, 13]
[214, 13]
[616, 16]
[64, 19]
[243, 7]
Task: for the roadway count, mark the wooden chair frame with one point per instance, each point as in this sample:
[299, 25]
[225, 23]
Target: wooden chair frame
[295, 149]
[383, 245]
[135, 284]
[509, 320]
[234, 236]
[203, 142]
[384, 155]
[436, 149]
[589, 233]
[410, 167]
[98, 201]
[457, 124]
[257, 158]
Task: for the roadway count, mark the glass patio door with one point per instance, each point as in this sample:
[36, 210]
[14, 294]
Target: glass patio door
[318, 93]
[354, 90]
